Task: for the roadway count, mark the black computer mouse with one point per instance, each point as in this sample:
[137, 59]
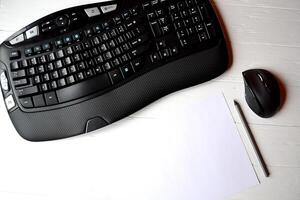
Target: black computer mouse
[262, 92]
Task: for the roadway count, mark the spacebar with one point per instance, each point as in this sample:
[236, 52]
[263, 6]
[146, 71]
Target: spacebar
[83, 89]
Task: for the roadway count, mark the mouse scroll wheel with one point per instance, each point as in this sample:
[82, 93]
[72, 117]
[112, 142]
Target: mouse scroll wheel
[260, 77]
[262, 80]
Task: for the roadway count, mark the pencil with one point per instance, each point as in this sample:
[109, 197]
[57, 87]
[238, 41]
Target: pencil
[251, 139]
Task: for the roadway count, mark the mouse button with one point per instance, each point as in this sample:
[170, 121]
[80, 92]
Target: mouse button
[94, 124]
[252, 101]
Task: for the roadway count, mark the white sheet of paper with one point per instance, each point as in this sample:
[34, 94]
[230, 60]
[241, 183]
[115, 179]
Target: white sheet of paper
[192, 152]
[210, 160]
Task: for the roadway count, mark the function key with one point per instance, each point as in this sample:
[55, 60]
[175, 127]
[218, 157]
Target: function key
[88, 32]
[28, 51]
[37, 49]
[46, 47]
[15, 55]
[58, 43]
[67, 39]
[76, 37]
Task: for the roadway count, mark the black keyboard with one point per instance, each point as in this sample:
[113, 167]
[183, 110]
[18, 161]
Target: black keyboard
[85, 67]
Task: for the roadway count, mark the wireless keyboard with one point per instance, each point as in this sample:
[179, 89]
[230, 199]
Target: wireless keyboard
[85, 67]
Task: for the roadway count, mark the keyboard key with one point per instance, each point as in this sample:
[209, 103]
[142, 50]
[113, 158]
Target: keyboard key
[76, 37]
[37, 49]
[51, 98]
[89, 73]
[60, 54]
[80, 76]
[18, 74]
[38, 101]
[49, 67]
[31, 71]
[55, 75]
[27, 91]
[58, 64]
[72, 69]
[61, 82]
[40, 69]
[24, 63]
[37, 79]
[67, 40]
[26, 102]
[115, 76]
[33, 61]
[44, 87]
[58, 43]
[51, 57]
[20, 82]
[70, 79]
[63, 72]
[127, 71]
[82, 89]
[69, 51]
[28, 52]
[53, 85]
[137, 64]
[14, 66]
[46, 47]
[155, 57]
[42, 59]
[15, 55]
[155, 27]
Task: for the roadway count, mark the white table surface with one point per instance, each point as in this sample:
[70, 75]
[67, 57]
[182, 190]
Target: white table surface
[263, 34]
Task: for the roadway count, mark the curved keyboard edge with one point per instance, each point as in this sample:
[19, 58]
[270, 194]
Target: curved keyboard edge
[125, 100]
